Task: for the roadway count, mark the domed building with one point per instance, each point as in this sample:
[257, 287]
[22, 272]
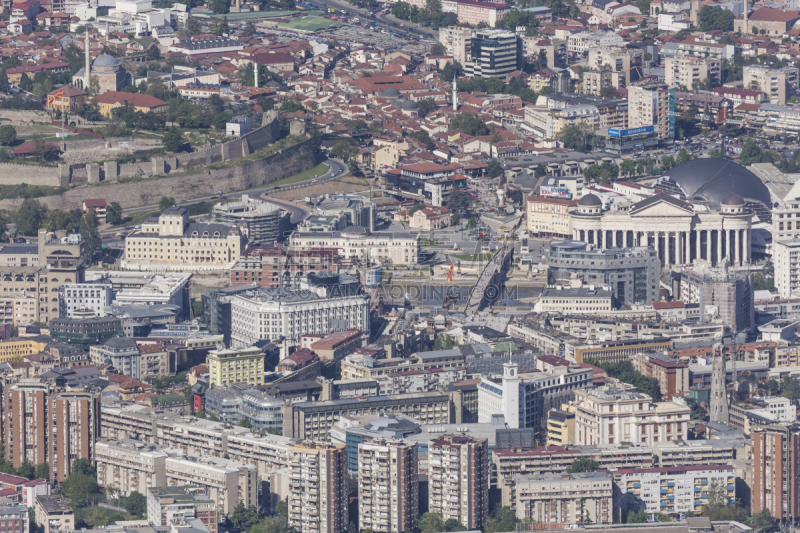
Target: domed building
[107, 70]
[704, 213]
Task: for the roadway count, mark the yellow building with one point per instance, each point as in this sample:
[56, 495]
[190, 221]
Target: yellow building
[548, 216]
[67, 98]
[235, 366]
[561, 426]
[15, 349]
[144, 103]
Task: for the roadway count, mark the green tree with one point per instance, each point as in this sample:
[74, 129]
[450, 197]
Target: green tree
[494, 169]
[173, 140]
[639, 517]
[662, 517]
[4, 85]
[91, 236]
[81, 483]
[503, 520]
[426, 106]
[29, 217]
[469, 123]
[430, 523]
[136, 503]
[715, 18]
[453, 525]
[583, 464]
[244, 517]
[540, 171]
[7, 134]
[608, 92]
[245, 423]
[761, 519]
[683, 157]
[628, 167]
[438, 49]
[574, 137]
[458, 201]
[667, 162]
[114, 213]
[443, 342]
[454, 219]
[32, 526]
[166, 202]
[472, 223]
[423, 137]
[752, 153]
[26, 470]
[42, 471]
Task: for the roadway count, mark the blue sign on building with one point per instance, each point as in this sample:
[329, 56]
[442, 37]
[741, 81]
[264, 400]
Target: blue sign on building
[613, 132]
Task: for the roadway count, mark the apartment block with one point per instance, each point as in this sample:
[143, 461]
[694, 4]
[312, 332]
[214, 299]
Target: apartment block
[25, 427]
[457, 42]
[493, 53]
[565, 499]
[388, 486]
[594, 81]
[458, 479]
[561, 426]
[15, 518]
[54, 513]
[73, 429]
[626, 62]
[245, 365]
[672, 490]
[672, 373]
[227, 482]
[649, 105]
[777, 83]
[318, 488]
[130, 465]
[683, 71]
[165, 504]
[776, 471]
[718, 451]
[609, 415]
[267, 452]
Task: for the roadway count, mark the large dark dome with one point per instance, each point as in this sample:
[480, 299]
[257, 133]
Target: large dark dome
[714, 180]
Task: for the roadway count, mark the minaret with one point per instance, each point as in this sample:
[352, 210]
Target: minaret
[455, 93]
[255, 72]
[746, 29]
[718, 408]
[88, 68]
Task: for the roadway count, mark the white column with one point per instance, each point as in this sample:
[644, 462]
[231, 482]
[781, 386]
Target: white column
[597, 238]
[735, 255]
[687, 235]
[708, 245]
[698, 244]
[746, 247]
[658, 248]
[614, 238]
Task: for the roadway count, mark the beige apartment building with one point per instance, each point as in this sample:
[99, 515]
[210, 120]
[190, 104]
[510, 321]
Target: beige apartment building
[388, 486]
[594, 81]
[130, 465]
[648, 105]
[457, 42]
[54, 513]
[685, 70]
[566, 499]
[173, 242]
[777, 83]
[318, 488]
[776, 464]
[608, 415]
[227, 482]
[549, 217]
[458, 465]
[626, 63]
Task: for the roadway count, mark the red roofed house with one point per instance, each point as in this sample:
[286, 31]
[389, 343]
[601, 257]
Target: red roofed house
[144, 103]
[430, 218]
[672, 373]
[774, 22]
[337, 345]
[277, 60]
[303, 364]
[97, 205]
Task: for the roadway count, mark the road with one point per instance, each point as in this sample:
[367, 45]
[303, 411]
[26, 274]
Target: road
[401, 27]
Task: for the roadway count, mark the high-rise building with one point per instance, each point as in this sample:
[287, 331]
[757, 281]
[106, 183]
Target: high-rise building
[568, 499]
[776, 471]
[494, 53]
[318, 488]
[777, 83]
[227, 482]
[25, 428]
[649, 105]
[130, 465]
[388, 487]
[458, 479]
[457, 42]
[236, 366]
[685, 70]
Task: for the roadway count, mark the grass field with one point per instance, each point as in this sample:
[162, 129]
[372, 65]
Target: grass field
[310, 174]
[310, 23]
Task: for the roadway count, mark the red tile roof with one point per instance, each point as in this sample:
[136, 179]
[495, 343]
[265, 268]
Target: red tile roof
[136, 100]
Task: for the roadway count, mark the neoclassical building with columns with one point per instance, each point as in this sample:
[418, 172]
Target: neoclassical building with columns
[704, 212]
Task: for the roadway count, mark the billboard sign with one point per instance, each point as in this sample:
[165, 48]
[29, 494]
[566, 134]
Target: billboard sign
[614, 132]
[558, 192]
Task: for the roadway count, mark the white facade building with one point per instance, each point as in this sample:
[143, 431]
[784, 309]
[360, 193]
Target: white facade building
[227, 482]
[83, 296]
[786, 260]
[358, 243]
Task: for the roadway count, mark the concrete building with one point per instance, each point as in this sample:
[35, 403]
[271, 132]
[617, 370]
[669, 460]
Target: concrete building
[575, 300]
[624, 63]
[777, 83]
[565, 499]
[54, 513]
[130, 465]
[388, 488]
[227, 482]
[318, 500]
[458, 479]
[344, 210]
[726, 296]
[165, 504]
[272, 314]
[133, 288]
[356, 243]
[610, 416]
[120, 352]
[594, 81]
[684, 71]
[525, 398]
[173, 242]
[776, 462]
[786, 257]
[633, 274]
[245, 365]
[266, 223]
[82, 297]
[267, 267]
[16, 517]
[649, 105]
[493, 53]
[457, 41]
[561, 426]
[673, 490]
[672, 373]
[549, 217]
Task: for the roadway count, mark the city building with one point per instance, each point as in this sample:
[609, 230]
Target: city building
[337, 211]
[632, 274]
[54, 513]
[267, 266]
[672, 490]
[672, 373]
[650, 104]
[165, 504]
[458, 479]
[130, 465]
[457, 42]
[318, 499]
[493, 53]
[625, 64]
[244, 365]
[275, 313]
[266, 223]
[388, 486]
[686, 71]
[108, 101]
[777, 83]
[575, 300]
[549, 217]
[120, 352]
[776, 460]
[261, 406]
[359, 244]
[226, 481]
[594, 81]
[786, 261]
[608, 415]
[561, 426]
[85, 332]
[565, 499]
[73, 427]
[83, 297]
[726, 296]
[173, 242]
